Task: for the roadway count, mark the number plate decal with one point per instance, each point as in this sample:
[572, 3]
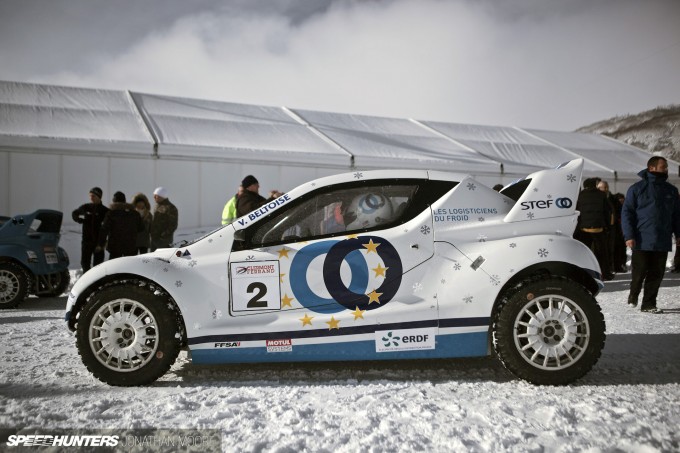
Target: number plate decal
[255, 286]
[51, 258]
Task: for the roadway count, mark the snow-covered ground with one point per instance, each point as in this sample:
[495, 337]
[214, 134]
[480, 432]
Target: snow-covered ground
[630, 401]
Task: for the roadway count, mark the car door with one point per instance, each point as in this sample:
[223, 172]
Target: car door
[337, 266]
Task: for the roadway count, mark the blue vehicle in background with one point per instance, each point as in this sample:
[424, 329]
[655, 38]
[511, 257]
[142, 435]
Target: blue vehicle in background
[31, 261]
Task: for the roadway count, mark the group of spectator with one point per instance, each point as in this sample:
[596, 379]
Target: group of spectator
[122, 228]
[644, 220]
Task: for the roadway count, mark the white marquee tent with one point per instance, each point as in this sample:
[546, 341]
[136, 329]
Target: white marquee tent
[58, 142]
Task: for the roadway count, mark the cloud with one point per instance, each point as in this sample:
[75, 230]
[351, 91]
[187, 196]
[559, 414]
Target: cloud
[522, 63]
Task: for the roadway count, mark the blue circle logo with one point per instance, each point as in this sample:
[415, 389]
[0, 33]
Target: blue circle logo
[357, 293]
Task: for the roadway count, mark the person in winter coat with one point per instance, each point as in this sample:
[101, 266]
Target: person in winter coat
[649, 217]
[251, 199]
[91, 215]
[165, 218]
[143, 207]
[614, 233]
[229, 212]
[120, 227]
[594, 222]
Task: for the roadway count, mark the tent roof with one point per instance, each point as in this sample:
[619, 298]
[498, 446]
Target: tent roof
[377, 142]
[52, 117]
[194, 128]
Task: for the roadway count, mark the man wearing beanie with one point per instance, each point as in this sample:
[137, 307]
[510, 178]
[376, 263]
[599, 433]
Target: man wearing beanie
[91, 215]
[250, 199]
[164, 222]
[120, 227]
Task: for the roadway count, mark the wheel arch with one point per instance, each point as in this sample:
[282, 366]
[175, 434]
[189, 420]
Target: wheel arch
[10, 259]
[112, 279]
[549, 268]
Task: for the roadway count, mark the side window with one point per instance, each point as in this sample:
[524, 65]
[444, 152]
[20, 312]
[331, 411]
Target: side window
[340, 210]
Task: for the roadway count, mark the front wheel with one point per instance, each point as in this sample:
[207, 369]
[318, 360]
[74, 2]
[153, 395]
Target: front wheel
[127, 335]
[13, 285]
[548, 331]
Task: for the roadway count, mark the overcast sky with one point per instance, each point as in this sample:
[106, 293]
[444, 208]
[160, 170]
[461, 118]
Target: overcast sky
[549, 64]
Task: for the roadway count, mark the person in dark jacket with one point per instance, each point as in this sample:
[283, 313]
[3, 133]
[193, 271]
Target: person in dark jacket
[165, 219]
[251, 199]
[614, 233]
[143, 207]
[91, 215]
[120, 227]
[649, 217]
[593, 223]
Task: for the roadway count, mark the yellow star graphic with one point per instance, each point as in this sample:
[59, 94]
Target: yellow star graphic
[352, 236]
[358, 314]
[307, 320]
[281, 277]
[371, 246]
[374, 297]
[380, 270]
[283, 252]
[333, 323]
[285, 302]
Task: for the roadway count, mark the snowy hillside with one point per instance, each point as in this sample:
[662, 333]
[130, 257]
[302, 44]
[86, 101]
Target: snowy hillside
[656, 130]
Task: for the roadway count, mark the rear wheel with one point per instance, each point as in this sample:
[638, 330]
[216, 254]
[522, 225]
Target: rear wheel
[13, 285]
[549, 331]
[127, 335]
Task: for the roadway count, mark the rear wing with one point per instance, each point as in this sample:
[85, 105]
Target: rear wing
[546, 193]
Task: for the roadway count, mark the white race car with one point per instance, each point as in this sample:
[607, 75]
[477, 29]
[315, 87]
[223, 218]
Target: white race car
[370, 265]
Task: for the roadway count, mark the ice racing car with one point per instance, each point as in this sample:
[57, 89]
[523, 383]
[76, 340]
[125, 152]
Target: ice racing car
[31, 261]
[370, 265]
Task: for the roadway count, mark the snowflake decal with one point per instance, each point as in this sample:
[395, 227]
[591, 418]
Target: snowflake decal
[358, 175]
[571, 178]
[456, 266]
[417, 287]
[192, 263]
[165, 269]
[146, 261]
[481, 219]
[482, 238]
[178, 283]
[210, 241]
[313, 184]
[468, 299]
[471, 186]
[542, 253]
[550, 240]
[535, 189]
[495, 279]
[250, 257]
[443, 281]
[513, 245]
[549, 196]
[217, 314]
[531, 215]
[512, 271]
[425, 229]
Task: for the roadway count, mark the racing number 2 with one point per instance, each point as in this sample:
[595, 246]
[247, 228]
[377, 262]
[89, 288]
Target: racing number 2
[255, 286]
[256, 301]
